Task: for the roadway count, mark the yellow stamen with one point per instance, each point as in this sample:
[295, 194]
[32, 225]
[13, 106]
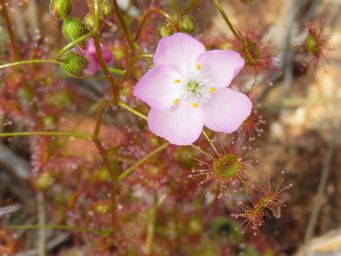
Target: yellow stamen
[212, 89]
[176, 101]
[198, 67]
[177, 81]
[195, 105]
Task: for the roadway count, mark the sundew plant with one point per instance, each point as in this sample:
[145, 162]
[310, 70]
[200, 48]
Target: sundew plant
[133, 128]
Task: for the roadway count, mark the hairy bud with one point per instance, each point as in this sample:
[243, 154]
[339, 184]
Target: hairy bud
[188, 24]
[73, 64]
[165, 30]
[60, 8]
[73, 28]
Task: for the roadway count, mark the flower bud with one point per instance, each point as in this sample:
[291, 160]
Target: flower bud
[44, 181]
[188, 24]
[89, 22]
[73, 28]
[165, 30]
[105, 8]
[60, 8]
[73, 64]
[312, 45]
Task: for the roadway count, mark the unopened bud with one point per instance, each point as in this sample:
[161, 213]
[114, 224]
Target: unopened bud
[188, 24]
[73, 28]
[165, 30]
[106, 8]
[44, 181]
[60, 8]
[73, 64]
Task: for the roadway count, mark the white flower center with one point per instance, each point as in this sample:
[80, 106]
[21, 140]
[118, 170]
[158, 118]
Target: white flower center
[196, 89]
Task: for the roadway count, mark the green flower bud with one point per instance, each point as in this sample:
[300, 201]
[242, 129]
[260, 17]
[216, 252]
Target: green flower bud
[188, 24]
[165, 30]
[44, 181]
[89, 22]
[60, 8]
[73, 28]
[105, 8]
[73, 64]
[312, 45]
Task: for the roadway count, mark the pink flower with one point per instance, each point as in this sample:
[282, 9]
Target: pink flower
[187, 89]
[89, 52]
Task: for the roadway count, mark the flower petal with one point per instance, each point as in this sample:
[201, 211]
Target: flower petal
[179, 50]
[158, 87]
[220, 66]
[226, 110]
[180, 125]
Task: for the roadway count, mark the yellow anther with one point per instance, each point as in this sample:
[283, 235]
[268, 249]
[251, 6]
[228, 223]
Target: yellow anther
[176, 101]
[212, 89]
[195, 105]
[198, 67]
[177, 81]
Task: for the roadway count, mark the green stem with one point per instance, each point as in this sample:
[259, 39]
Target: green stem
[202, 151]
[72, 44]
[146, 17]
[191, 5]
[57, 227]
[141, 161]
[211, 143]
[25, 62]
[82, 136]
[116, 71]
[228, 22]
[132, 110]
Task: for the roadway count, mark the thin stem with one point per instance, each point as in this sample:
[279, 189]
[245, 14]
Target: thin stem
[141, 161]
[131, 63]
[58, 227]
[111, 169]
[211, 143]
[11, 36]
[123, 24]
[145, 18]
[228, 22]
[25, 62]
[191, 5]
[116, 71]
[110, 78]
[72, 44]
[41, 223]
[322, 185]
[77, 135]
[202, 151]
[132, 110]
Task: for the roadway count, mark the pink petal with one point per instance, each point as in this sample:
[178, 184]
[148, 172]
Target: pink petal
[220, 66]
[158, 88]
[226, 110]
[93, 66]
[179, 50]
[180, 125]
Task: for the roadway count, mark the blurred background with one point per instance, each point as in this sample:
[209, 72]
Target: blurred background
[299, 100]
